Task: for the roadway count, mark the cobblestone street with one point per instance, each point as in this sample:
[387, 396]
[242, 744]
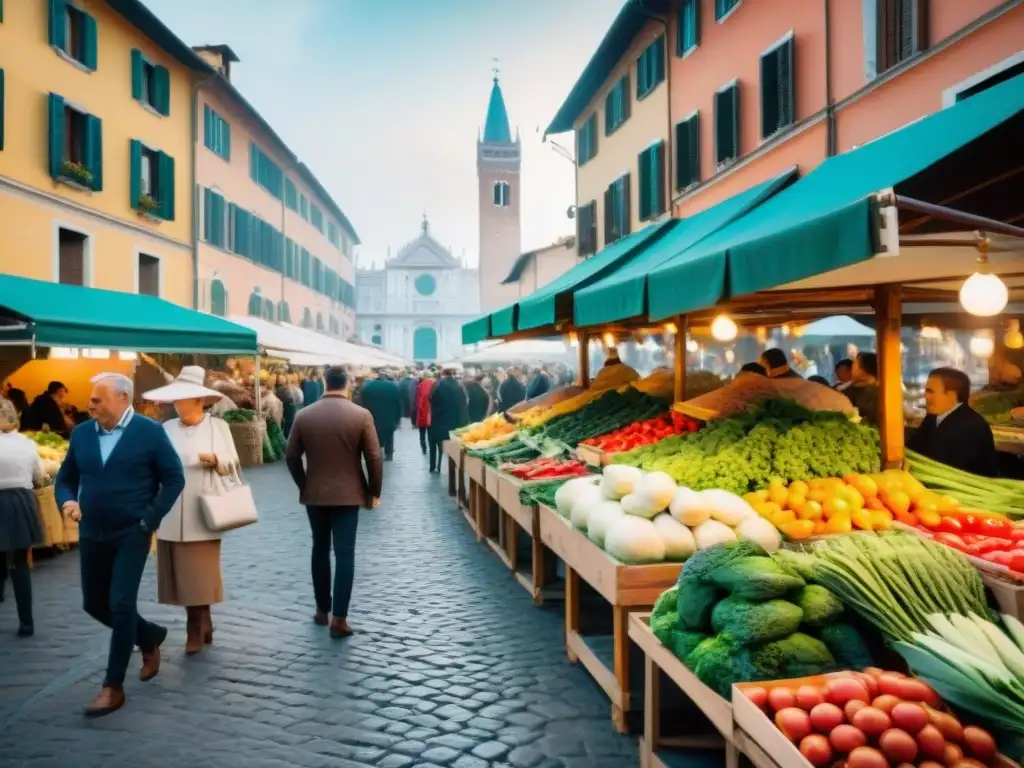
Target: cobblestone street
[452, 665]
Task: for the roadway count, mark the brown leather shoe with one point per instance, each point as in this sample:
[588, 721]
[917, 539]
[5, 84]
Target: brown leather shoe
[340, 628]
[194, 632]
[151, 659]
[110, 699]
[320, 619]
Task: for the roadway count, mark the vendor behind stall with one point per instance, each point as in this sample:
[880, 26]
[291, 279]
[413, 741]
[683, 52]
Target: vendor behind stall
[863, 390]
[953, 432]
[47, 410]
[777, 366]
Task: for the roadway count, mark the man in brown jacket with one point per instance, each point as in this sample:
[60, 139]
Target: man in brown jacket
[336, 436]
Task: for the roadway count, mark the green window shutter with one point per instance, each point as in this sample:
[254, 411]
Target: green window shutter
[165, 176]
[688, 152]
[688, 28]
[1, 109]
[94, 151]
[624, 206]
[207, 126]
[162, 83]
[225, 138]
[135, 186]
[727, 124]
[624, 99]
[784, 73]
[643, 74]
[658, 191]
[137, 74]
[722, 7]
[56, 136]
[89, 46]
[208, 215]
[643, 166]
[58, 25]
[253, 163]
[218, 220]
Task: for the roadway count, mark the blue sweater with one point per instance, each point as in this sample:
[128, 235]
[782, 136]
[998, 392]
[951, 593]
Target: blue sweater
[141, 480]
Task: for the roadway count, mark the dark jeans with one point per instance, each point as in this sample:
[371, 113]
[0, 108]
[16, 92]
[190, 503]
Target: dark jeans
[21, 580]
[436, 455]
[386, 438]
[111, 572]
[423, 439]
[340, 524]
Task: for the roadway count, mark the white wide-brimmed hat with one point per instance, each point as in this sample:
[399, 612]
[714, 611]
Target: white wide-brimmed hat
[188, 386]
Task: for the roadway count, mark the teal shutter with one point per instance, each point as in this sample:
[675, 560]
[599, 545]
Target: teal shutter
[135, 185]
[58, 24]
[56, 136]
[688, 29]
[253, 163]
[225, 138]
[726, 124]
[1, 108]
[643, 65]
[94, 151]
[162, 86]
[207, 126]
[644, 167]
[688, 152]
[89, 47]
[137, 74]
[165, 176]
[207, 215]
[658, 179]
[218, 220]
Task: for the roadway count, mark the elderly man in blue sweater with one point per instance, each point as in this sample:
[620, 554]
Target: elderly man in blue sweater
[120, 477]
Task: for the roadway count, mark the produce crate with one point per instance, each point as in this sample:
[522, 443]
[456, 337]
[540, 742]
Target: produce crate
[757, 737]
[526, 517]
[491, 479]
[476, 496]
[588, 454]
[492, 523]
[1009, 595]
[625, 587]
[658, 659]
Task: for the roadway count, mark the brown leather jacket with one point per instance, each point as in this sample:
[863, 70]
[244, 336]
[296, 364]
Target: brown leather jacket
[336, 436]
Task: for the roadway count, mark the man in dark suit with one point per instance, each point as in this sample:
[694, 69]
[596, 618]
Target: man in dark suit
[120, 478]
[382, 398]
[511, 391]
[953, 432]
[336, 436]
[449, 409]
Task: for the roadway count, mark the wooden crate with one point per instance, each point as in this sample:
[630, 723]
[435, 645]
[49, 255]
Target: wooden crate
[658, 659]
[476, 496]
[1009, 594]
[625, 587]
[454, 451]
[757, 737]
[594, 457]
[491, 479]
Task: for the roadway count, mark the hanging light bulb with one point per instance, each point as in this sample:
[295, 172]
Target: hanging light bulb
[574, 340]
[1013, 338]
[983, 294]
[671, 328]
[785, 329]
[982, 345]
[609, 339]
[724, 328]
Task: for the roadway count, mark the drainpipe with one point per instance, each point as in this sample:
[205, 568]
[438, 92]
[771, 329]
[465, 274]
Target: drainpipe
[831, 130]
[669, 165]
[195, 187]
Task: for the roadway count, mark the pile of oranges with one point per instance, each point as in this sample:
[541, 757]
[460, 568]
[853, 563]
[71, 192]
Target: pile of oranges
[853, 502]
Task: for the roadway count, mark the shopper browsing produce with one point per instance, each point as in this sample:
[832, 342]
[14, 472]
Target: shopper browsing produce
[952, 432]
[863, 390]
[776, 365]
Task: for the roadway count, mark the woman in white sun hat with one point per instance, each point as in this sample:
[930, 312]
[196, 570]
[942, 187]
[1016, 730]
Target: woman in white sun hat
[188, 552]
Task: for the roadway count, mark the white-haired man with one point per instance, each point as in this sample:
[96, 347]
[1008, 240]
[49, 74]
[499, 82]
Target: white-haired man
[121, 476]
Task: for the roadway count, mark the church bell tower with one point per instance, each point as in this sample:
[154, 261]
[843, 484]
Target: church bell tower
[498, 160]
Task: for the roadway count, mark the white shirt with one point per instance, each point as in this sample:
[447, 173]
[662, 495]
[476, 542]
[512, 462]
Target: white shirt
[942, 416]
[19, 461]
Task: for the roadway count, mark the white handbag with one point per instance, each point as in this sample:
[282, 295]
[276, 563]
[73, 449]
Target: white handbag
[229, 503]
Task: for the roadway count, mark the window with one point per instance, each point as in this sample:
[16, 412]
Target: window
[501, 194]
[316, 217]
[306, 269]
[586, 228]
[151, 84]
[291, 196]
[318, 275]
[319, 321]
[213, 218]
[376, 340]
[425, 285]
[149, 275]
[586, 141]
[616, 105]
[71, 257]
[73, 33]
[651, 175]
[268, 309]
[152, 181]
[777, 107]
[727, 124]
[333, 236]
[303, 207]
[218, 299]
[284, 313]
[650, 68]
[902, 31]
[724, 7]
[688, 27]
[76, 145]
[265, 171]
[216, 133]
[255, 303]
[688, 151]
[616, 210]
[972, 86]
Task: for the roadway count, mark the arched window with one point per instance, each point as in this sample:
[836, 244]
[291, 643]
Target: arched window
[501, 194]
[307, 318]
[424, 345]
[425, 284]
[284, 314]
[218, 299]
[255, 304]
[268, 309]
[376, 340]
[319, 321]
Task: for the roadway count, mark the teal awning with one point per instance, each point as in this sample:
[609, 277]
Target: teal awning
[540, 308]
[622, 294]
[57, 315]
[824, 221]
[503, 321]
[476, 330]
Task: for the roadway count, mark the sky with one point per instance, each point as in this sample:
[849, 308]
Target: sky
[384, 100]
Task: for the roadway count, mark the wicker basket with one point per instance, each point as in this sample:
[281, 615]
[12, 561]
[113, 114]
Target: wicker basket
[50, 518]
[248, 437]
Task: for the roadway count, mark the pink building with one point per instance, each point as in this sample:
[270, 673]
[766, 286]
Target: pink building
[271, 241]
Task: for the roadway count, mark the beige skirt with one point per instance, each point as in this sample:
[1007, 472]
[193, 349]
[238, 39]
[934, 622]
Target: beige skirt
[188, 573]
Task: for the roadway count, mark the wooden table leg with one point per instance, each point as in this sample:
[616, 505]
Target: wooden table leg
[652, 707]
[452, 470]
[511, 541]
[539, 575]
[621, 640]
[572, 607]
[477, 492]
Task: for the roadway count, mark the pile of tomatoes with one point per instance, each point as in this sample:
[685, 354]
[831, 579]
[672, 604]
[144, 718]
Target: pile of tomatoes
[991, 537]
[645, 432]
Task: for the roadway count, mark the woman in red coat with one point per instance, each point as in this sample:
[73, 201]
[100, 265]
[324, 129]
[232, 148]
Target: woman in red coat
[422, 416]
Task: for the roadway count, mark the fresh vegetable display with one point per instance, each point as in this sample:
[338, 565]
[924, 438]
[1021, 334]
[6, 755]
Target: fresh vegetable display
[240, 415]
[1000, 495]
[51, 448]
[777, 439]
[545, 469]
[612, 410]
[607, 380]
[737, 615]
[541, 492]
[640, 517]
[644, 432]
[873, 719]
[492, 428]
[991, 537]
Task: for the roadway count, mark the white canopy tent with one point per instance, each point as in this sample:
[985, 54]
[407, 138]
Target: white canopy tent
[839, 325]
[352, 354]
[523, 351]
[278, 341]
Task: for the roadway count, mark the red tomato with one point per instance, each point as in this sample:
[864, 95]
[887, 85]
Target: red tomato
[951, 540]
[992, 545]
[995, 526]
[1017, 534]
[1017, 563]
[950, 524]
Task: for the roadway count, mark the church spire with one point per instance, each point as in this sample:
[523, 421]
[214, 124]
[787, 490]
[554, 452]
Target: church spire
[496, 130]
